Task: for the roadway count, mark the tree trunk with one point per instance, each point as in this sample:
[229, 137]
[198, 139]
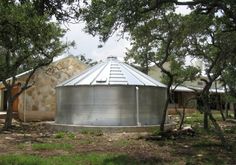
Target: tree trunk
[172, 98]
[222, 114]
[226, 110]
[163, 119]
[146, 64]
[205, 121]
[183, 114]
[221, 109]
[234, 111]
[206, 107]
[219, 132]
[182, 119]
[207, 113]
[9, 116]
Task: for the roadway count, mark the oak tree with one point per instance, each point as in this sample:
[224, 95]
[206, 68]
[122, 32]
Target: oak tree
[159, 39]
[27, 40]
[216, 47]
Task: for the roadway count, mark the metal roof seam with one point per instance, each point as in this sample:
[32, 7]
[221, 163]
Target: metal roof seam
[108, 77]
[132, 74]
[138, 72]
[74, 77]
[87, 72]
[147, 77]
[98, 73]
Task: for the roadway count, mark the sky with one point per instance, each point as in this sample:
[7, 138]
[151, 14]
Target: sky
[88, 45]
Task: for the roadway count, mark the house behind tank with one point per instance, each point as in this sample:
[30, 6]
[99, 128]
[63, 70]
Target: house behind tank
[39, 101]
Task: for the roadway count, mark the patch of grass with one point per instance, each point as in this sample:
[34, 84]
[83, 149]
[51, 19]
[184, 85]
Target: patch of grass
[96, 132]
[197, 117]
[156, 132]
[196, 121]
[20, 160]
[60, 135]
[82, 159]
[217, 115]
[85, 141]
[84, 131]
[194, 118]
[201, 131]
[71, 135]
[51, 146]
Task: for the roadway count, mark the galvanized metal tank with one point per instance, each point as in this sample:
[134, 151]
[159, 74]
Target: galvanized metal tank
[111, 93]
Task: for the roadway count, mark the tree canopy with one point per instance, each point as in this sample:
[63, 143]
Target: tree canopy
[61, 10]
[159, 40]
[207, 33]
[27, 41]
[103, 18]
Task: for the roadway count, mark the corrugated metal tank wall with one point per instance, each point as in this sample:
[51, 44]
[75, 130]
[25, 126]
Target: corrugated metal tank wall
[109, 105]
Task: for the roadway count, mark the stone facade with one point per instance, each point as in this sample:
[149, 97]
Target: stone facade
[39, 101]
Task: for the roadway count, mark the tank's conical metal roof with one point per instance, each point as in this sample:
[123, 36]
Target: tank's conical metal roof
[112, 72]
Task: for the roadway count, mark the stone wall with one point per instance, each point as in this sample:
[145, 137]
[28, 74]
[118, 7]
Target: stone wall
[39, 101]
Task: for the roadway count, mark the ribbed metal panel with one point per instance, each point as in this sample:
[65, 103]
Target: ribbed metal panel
[109, 105]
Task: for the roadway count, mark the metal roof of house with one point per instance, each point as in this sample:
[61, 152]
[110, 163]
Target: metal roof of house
[181, 88]
[211, 90]
[218, 90]
[112, 72]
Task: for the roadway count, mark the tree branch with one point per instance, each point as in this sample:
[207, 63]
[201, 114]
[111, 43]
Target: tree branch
[26, 85]
[158, 3]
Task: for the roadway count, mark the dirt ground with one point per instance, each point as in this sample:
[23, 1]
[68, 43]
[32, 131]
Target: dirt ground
[202, 148]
